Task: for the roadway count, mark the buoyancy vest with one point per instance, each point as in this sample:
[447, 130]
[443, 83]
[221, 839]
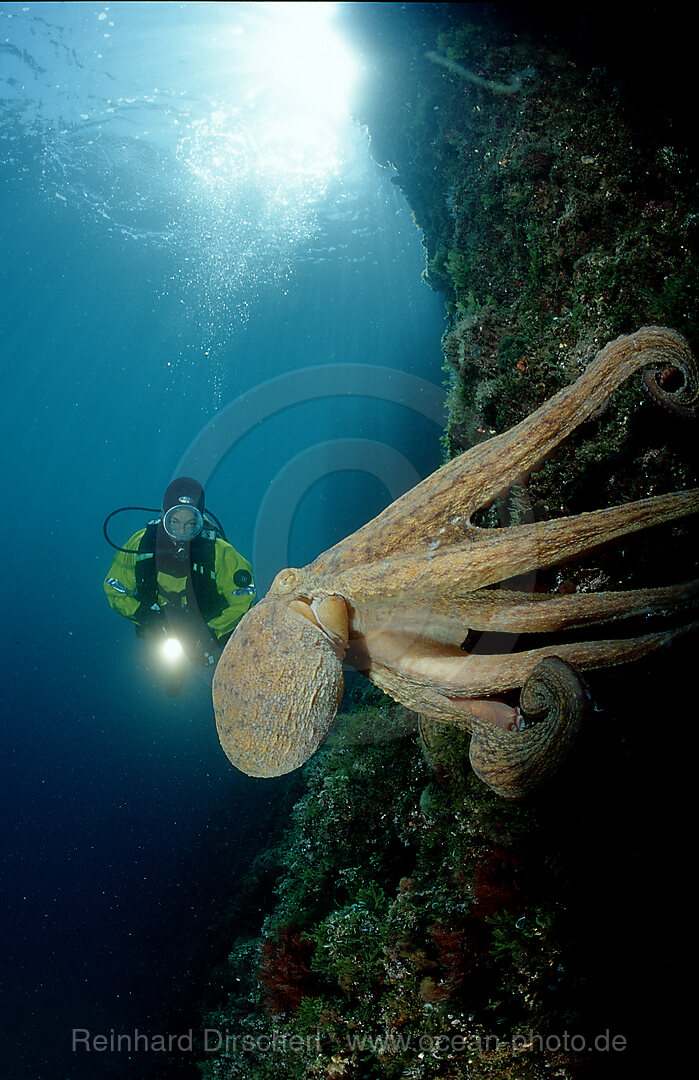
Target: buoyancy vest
[200, 567]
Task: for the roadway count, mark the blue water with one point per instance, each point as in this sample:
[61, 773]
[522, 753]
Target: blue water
[166, 249]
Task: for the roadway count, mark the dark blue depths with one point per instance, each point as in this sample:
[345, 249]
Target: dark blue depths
[124, 332]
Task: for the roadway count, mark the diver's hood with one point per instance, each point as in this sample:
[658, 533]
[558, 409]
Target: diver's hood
[184, 490]
[172, 555]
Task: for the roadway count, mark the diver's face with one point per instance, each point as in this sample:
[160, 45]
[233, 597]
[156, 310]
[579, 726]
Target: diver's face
[183, 524]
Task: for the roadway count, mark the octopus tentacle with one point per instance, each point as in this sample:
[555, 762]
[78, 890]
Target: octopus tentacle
[400, 594]
[501, 461]
[439, 680]
[531, 613]
[447, 619]
[438, 510]
[516, 549]
[514, 763]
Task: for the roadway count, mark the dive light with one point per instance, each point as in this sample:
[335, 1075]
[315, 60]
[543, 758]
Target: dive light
[171, 650]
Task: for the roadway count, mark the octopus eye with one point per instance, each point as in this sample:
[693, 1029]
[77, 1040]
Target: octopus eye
[285, 579]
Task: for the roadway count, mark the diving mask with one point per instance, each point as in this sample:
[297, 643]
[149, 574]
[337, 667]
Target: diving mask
[183, 522]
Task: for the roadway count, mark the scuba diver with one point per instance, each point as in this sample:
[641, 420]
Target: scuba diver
[180, 581]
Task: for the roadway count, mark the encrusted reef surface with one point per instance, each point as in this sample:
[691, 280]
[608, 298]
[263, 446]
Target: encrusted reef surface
[419, 926]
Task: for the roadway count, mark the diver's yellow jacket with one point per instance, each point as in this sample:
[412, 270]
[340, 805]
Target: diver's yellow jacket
[221, 580]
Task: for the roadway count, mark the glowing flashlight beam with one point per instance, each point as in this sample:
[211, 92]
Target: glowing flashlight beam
[172, 650]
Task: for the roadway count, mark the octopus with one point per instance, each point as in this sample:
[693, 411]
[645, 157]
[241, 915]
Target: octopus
[400, 600]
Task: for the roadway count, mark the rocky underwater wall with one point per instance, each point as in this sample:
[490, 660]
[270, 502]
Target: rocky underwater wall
[410, 923]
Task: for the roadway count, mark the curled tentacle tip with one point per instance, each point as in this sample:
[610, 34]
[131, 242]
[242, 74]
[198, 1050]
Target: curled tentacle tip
[673, 380]
[669, 388]
[515, 763]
